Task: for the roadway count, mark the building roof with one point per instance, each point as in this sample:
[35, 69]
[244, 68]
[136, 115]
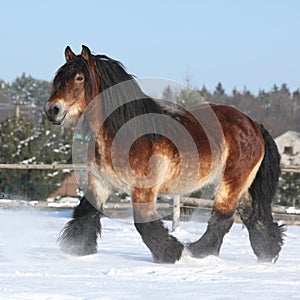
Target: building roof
[294, 134]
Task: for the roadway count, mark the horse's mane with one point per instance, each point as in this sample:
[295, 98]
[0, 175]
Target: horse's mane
[121, 96]
[110, 71]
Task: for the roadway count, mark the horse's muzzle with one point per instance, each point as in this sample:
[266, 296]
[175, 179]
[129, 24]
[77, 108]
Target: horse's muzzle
[55, 112]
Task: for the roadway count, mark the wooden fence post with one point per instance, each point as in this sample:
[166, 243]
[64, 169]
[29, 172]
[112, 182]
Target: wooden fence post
[176, 212]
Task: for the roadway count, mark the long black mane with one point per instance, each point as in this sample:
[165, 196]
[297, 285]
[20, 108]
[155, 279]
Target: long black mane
[121, 97]
[110, 71]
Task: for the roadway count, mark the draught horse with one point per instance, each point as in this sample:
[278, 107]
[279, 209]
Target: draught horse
[228, 144]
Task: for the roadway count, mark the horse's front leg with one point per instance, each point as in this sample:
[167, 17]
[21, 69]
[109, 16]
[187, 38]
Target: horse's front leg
[164, 247]
[79, 236]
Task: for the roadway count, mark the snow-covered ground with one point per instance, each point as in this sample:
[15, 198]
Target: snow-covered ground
[32, 267]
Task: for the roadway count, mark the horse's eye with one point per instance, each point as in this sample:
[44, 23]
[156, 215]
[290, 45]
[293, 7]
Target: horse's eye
[79, 78]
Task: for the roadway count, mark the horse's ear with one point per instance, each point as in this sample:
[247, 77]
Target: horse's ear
[86, 54]
[69, 54]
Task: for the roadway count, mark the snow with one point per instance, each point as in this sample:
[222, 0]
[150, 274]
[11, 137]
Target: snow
[17, 203]
[293, 210]
[32, 267]
[28, 161]
[64, 202]
[53, 174]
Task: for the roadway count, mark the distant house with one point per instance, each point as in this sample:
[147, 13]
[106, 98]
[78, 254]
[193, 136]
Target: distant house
[289, 147]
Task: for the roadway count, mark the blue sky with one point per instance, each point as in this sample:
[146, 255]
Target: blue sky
[253, 43]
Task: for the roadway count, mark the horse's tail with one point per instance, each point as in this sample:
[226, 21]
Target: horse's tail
[264, 186]
[265, 235]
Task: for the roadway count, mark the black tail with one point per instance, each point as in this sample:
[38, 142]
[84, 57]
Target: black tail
[266, 236]
[264, 186]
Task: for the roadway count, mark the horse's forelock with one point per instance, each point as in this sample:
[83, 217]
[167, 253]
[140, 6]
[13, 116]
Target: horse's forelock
[69, 70]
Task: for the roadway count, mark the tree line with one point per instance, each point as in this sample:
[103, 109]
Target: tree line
[278, 109]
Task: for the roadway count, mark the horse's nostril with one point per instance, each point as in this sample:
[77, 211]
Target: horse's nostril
[55, 110]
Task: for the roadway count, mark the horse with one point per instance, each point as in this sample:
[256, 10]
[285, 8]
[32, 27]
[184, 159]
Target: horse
[210, 141]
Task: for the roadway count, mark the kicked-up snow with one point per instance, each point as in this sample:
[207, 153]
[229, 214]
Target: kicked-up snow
[32, 266]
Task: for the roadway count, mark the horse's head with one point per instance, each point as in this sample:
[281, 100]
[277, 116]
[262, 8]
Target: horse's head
[74, 86]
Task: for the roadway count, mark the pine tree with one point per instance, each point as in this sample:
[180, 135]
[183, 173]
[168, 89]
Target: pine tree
[289, 189]
[289, 186]
[219, 90]
[29, 90]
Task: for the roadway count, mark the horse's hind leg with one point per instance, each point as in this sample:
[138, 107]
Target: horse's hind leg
[211, 241]
[219, 224]
[164, 247]
[79, 236]
[265, 234]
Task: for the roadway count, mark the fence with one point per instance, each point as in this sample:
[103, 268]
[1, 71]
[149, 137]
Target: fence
[43, 167]
[19, 181]
[178, 202]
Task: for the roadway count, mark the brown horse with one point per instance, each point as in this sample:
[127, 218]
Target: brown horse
[140, 146]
